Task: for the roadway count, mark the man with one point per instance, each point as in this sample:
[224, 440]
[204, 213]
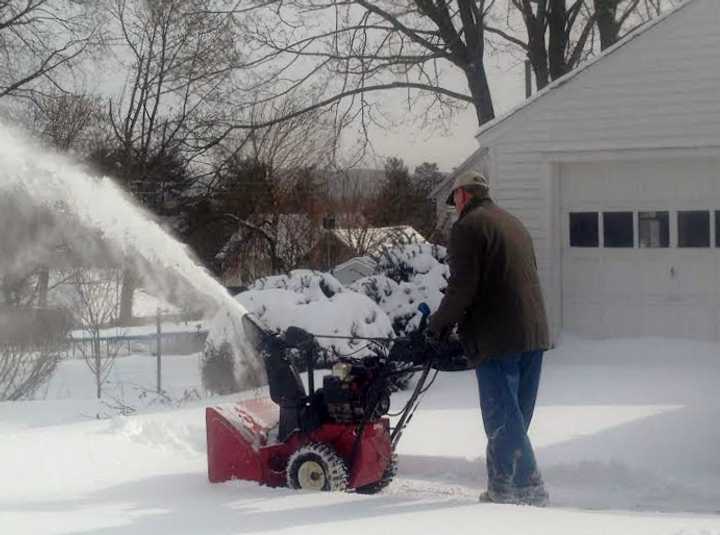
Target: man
[494, 298]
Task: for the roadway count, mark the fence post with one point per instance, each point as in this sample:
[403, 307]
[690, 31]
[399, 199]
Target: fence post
[159, 351]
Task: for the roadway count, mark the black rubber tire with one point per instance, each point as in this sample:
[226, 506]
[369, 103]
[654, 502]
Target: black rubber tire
[317, 466]
[388, 476]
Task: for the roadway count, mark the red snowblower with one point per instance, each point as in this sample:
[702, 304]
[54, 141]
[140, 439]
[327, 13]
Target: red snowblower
[337, 437]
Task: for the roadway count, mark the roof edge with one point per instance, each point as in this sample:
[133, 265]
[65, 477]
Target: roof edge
[581, 68]
[451, 176]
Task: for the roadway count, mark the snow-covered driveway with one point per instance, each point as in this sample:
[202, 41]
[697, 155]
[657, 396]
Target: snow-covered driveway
[626, 432]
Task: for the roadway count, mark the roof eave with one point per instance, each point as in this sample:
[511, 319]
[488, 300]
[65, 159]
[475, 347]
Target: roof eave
[486, 128]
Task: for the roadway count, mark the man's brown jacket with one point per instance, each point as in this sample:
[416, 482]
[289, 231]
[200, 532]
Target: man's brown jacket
[494, 293]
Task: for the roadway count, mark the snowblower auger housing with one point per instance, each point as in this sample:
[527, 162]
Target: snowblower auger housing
[337, 437]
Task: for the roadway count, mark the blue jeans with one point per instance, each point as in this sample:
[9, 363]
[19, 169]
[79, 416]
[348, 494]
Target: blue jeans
[508, 388]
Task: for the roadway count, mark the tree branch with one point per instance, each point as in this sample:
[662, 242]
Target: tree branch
[507, 37]
[414, 36]
[352, 92]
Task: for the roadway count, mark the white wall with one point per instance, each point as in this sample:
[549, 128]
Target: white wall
[659, 91]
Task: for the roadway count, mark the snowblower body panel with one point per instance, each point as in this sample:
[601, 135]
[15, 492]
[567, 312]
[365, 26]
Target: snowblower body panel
[240, 445]
[235, 435]
[342, 425]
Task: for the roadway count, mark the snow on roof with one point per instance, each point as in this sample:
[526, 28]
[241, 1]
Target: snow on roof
[355, 261]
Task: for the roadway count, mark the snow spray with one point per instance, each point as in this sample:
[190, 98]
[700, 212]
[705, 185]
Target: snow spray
[36, 180]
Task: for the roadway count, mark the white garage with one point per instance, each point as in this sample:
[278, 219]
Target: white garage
[615, 169]
[639, 247]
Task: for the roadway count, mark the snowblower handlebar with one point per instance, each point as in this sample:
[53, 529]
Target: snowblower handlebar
[412, 349]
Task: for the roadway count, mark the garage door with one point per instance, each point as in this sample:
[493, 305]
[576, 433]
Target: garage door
[641, 248]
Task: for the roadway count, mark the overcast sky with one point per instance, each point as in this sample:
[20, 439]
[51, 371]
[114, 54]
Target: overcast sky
[449, 149]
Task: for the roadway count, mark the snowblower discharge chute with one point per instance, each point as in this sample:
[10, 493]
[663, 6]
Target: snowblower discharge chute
[337, 437]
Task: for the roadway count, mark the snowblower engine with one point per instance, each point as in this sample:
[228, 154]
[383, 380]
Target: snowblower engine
[357, 391]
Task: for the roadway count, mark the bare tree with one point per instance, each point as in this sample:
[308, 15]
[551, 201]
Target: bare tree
[551, 27]
[615, 18]
[176, 54]
[25, 368]
[31, 341]
[179, 57]
[276, 235]
[277, 243]
[94, 303]
[29, 242]
[40, 40]
[67, 121]
[269, 187]
[340, 53]
[298, 141]
[557, 35]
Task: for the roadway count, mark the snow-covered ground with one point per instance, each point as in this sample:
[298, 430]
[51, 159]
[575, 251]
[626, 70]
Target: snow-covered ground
[627, 433]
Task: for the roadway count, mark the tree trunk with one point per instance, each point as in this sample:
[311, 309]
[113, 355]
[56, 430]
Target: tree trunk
[480, 91]
[558, 40]
[276, 263]
[127, 293]
[539, 61]
[98, 365]
[607, 24]
[537, 50]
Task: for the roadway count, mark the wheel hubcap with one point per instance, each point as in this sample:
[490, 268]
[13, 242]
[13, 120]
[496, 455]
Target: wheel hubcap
[311, 476]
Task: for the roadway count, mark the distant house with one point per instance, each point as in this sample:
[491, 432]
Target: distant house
[283, 240]
[615, 170]
[300, 242]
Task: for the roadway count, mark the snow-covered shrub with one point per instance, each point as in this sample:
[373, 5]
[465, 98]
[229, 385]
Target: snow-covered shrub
[403, 262]
[381, 306]
[407, 276]
[346, 313]
[377, 287]
[310, 283]
[311, 300]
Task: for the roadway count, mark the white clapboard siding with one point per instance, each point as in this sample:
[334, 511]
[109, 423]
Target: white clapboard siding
[658, 90]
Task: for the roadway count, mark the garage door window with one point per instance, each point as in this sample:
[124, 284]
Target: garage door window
[618, 229]
[694, 228]
[584, 230]
[654, 229]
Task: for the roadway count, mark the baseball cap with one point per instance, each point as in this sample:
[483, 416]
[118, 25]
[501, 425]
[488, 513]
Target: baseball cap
[467, 178]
